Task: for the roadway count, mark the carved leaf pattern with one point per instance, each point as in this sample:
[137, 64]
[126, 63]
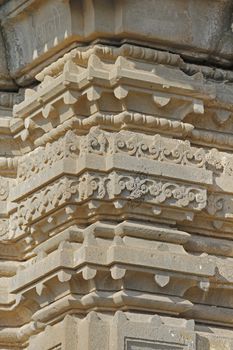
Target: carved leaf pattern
[159, 192]
[100, 142]
[42, 158]
[183, 153]
[111, 186]
[47, 199]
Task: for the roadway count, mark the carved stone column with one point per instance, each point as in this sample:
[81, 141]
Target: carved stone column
[116, 174]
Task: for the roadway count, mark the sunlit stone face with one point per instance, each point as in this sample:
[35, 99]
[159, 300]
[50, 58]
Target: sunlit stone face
[116, 172]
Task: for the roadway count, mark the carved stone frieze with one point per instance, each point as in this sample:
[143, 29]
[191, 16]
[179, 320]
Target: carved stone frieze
[110, 187]
[103, 143]
[116, 166]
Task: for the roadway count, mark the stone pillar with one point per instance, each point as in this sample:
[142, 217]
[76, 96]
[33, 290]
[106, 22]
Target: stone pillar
[116, 172]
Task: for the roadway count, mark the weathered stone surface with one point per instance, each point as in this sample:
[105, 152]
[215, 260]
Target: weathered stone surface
[116, 167]
[198, 29]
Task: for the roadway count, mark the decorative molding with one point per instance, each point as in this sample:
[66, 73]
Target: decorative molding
[132, 144]
[135, 52]
[94, 186]
[115, 184]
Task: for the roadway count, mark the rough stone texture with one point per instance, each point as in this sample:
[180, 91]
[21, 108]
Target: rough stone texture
[116, 169]
[197, 29]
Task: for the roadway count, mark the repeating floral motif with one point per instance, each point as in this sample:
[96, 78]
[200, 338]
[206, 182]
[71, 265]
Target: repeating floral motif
[137, 145]
[158, 149]
[109, 187]
[43, 158]
[160, 192]
[47, 199]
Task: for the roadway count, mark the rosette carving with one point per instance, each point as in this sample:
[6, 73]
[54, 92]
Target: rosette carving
[160, 192]
[95, 142]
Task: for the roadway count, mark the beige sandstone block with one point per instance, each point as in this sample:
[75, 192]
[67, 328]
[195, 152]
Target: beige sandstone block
[116, 208]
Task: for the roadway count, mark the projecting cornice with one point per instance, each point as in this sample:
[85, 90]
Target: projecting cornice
[116, 167]
[37, 32]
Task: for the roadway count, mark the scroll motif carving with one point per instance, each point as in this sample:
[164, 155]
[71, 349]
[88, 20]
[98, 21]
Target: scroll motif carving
[47, 199]
[47, 156]
[114, 205]
[160, 192]
[158, 149]
[132, 144]
[95, 142]
[107, 187]
[220, 205]
[215, 204]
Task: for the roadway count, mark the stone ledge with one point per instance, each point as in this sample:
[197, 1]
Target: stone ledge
[52, 27]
